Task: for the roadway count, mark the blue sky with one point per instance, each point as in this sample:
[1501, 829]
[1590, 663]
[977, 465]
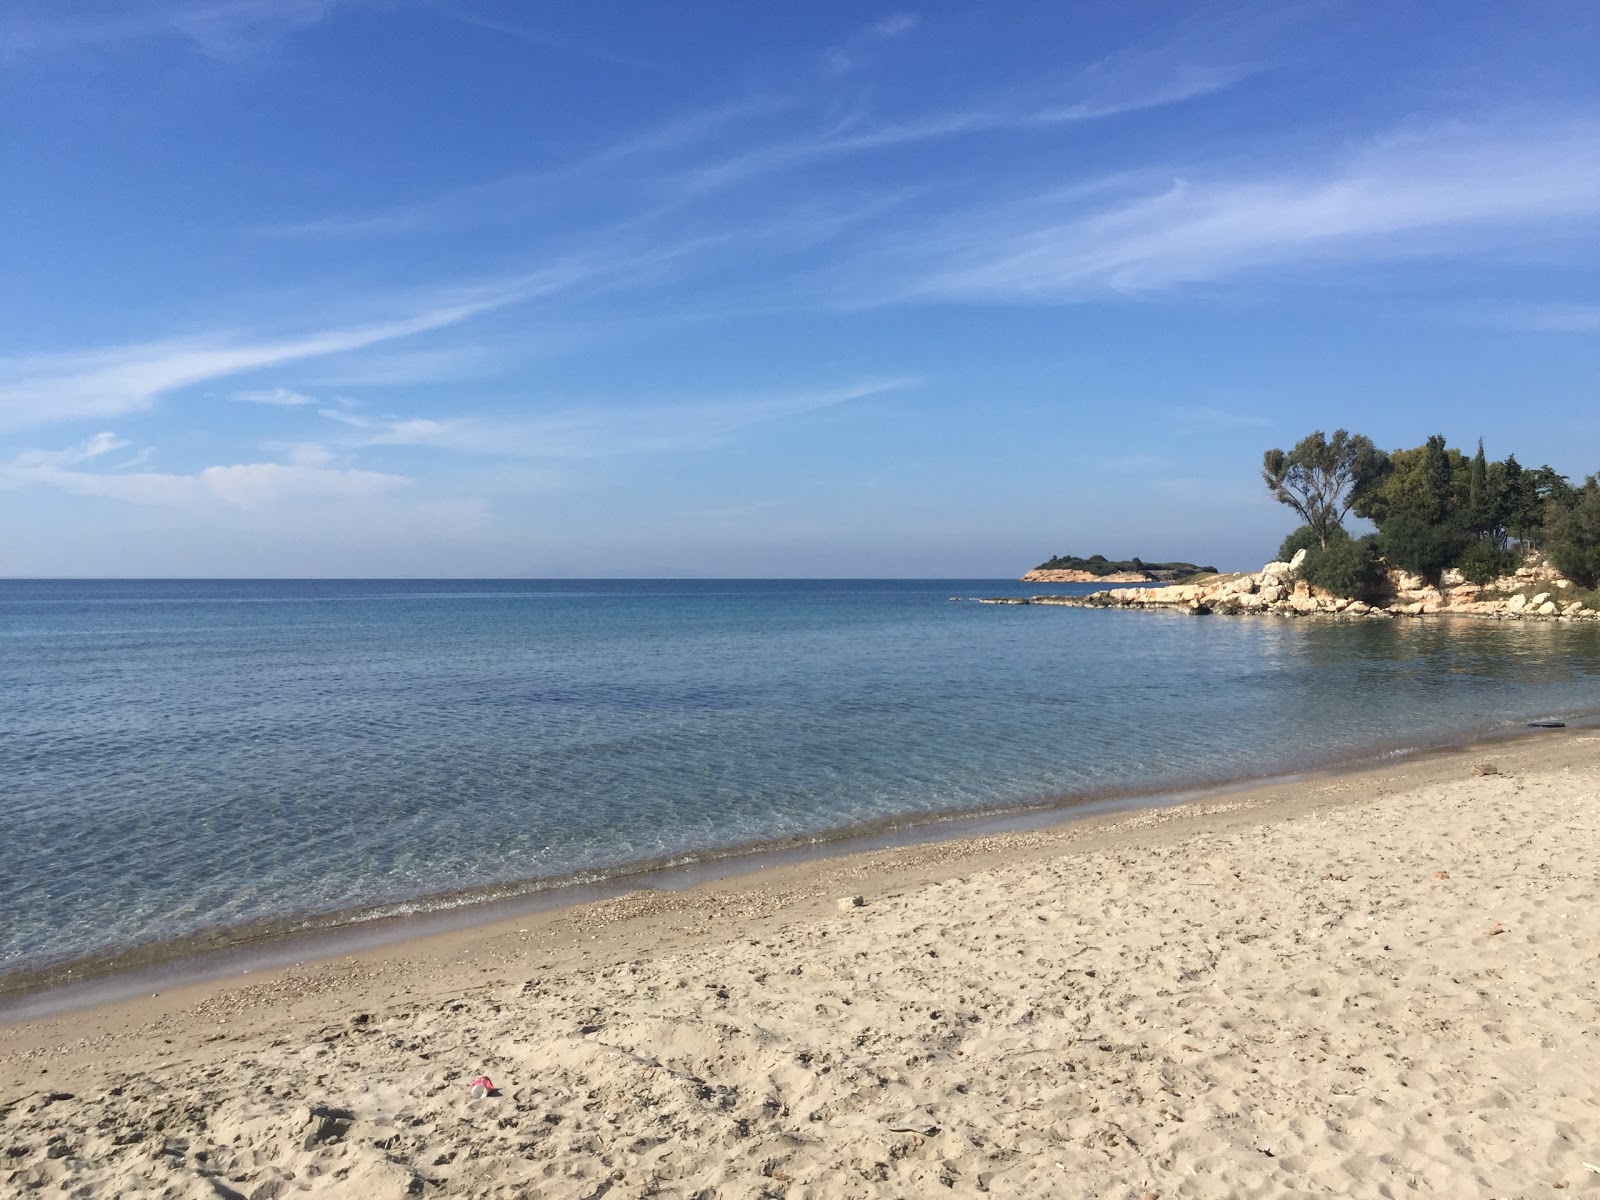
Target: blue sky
[457, 287]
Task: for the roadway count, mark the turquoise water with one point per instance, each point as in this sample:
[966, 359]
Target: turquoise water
[177, 757]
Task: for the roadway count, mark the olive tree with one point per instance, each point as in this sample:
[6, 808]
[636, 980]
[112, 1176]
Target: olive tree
[1322, 477]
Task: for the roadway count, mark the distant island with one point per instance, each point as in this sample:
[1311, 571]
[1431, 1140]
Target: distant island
[1097, 568]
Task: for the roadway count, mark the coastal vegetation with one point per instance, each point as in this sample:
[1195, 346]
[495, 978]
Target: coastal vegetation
[1434, 508]
[1100, 566]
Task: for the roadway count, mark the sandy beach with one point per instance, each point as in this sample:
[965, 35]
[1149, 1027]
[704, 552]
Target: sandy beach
[1380, 982]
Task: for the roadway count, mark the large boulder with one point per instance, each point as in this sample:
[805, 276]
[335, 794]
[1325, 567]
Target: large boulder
[1405, 581]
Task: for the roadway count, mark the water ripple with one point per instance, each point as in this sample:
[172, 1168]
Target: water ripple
[183, 756]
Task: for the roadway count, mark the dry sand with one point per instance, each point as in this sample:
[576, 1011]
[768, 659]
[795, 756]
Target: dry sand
[1380, 983]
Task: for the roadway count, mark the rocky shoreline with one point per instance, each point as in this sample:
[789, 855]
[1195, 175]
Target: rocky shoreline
[1043, 575]
[1534, 592]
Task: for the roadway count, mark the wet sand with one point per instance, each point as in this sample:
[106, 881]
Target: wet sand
[1365, 983]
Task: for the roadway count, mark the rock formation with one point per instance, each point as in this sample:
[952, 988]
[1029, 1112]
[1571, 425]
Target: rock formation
[1533, 592]
[1041, 575]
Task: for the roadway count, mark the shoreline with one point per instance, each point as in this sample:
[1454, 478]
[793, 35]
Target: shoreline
[53, 989]
[1356, 971]
[1534, 591]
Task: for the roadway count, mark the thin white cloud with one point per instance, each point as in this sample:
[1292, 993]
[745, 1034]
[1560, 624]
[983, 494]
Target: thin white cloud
[262, 485]
[242, 486]
[1446, 189]
[111, 381]
[601, 431]
[542, 38]
[309, 454]
[345, 417]
[1189, 82]
[219, 28]
[1555, 318]
[847, 138]
[278, 397]
[847, 55]
[391, 365]
[691, 156]
[95, 447]
[522, 193]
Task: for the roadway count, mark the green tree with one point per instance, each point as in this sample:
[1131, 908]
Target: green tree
[1421, 507]
[1322, 477]
[1501, 484]
[1480, 501]
[1425, 484]
[1530, 495]
[1575, 534]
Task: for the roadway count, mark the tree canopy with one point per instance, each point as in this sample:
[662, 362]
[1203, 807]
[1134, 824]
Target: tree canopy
[1434, 509]
[1321, 477]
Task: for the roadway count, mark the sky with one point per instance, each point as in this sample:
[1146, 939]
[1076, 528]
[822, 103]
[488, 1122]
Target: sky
[467, 288]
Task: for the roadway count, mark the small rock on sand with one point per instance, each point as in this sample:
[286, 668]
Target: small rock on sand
[849, 902]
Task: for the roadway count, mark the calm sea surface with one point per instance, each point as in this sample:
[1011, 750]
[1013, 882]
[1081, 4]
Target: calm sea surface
[181, 756]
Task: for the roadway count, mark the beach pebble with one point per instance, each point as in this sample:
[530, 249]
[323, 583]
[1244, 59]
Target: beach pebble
[848, 902]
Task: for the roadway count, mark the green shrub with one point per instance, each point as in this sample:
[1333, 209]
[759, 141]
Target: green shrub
[1482, 562]
[1305, 538]
[1348, 567]
[1421, 547]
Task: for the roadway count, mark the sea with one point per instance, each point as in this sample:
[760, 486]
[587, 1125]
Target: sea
[185, 760]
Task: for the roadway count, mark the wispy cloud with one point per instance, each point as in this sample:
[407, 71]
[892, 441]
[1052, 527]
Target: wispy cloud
[603, 431]
[523, 194]
[855, 136]
[847, 54]
[307, 477]
[1411, 194]
[219, 28]
[543, 38]
[277, 397]
[70, 456]
[258, 485]
[1554, 318]
[683, 160]
[111, 381]
[1182, 83]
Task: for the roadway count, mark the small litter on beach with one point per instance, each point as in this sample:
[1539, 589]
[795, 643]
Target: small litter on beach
[1485, 768]
[1495, 930]
[1547, 724]
[1440, 875]
[480, 1087]
[914, 1124]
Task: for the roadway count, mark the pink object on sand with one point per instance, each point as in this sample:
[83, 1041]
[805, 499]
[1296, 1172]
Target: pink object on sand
[480, 1087]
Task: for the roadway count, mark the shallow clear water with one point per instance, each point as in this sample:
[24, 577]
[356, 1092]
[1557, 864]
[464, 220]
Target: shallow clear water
[179, 756]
